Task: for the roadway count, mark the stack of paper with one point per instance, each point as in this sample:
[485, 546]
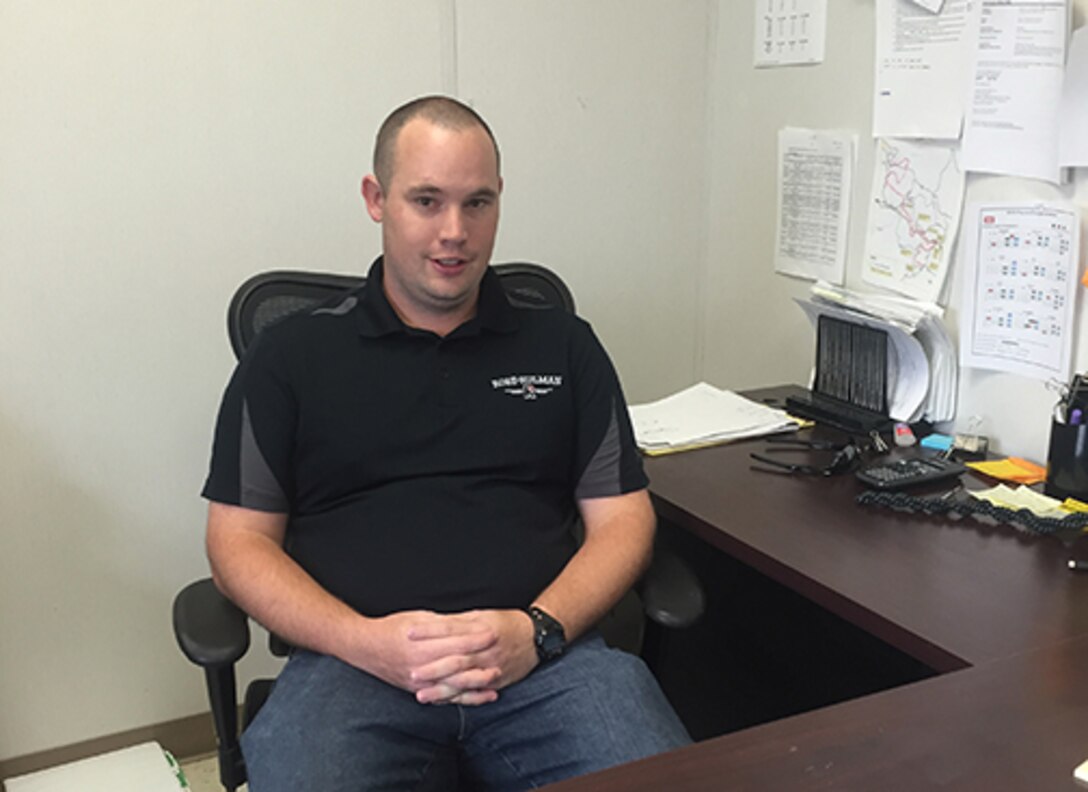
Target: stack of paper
[141, 768]
[703, 415]
[923, 370]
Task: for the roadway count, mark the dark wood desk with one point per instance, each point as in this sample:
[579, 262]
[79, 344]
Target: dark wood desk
[991, 608]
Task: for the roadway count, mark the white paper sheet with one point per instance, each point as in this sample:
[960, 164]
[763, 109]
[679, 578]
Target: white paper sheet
[914, 215]
[789, 32]
[1073, 134]
[944, 370]
[903, 311]
[933, 6]
[923, 64]
[1012, 120]
[815, 173]
[1020, 279]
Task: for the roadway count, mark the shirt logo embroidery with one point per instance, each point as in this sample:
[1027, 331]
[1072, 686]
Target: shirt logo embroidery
[528, 386]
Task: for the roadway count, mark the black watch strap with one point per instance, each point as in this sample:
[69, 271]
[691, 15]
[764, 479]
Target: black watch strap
[548, 635]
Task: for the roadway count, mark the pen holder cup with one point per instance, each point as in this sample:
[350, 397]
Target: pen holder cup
[1067, 461]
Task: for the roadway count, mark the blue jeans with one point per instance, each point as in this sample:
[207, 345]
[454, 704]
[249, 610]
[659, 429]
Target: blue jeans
[329, 727]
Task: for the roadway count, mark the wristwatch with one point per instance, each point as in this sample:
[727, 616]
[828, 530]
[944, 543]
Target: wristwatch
[548, 635]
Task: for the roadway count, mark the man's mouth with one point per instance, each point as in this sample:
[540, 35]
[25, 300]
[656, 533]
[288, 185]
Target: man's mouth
[449, 263]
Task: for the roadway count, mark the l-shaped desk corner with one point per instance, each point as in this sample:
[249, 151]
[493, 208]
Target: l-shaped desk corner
[993, 610]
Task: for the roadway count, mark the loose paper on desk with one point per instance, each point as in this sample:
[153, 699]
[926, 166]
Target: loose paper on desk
[914, 214]
[1012, 121]
[923, 63]
[815, 173]
[1080, 772]
[1073, 135]
[702, 415]
[789, 32]
[1020, 274]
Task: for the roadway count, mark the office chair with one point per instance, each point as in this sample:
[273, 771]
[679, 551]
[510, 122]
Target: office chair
[214, 633]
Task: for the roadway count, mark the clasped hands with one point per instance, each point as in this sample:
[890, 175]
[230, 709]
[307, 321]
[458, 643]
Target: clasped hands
[459, 658]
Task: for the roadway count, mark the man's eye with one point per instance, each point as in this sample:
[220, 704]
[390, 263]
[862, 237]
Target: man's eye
[478, 203]
[425, 201]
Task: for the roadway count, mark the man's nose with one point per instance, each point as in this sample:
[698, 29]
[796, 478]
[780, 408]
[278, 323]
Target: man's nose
[453, 226]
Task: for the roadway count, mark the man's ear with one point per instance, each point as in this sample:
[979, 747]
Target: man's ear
[374, 197]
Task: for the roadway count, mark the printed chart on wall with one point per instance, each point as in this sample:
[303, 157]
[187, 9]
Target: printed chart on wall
[815, 173]
[789, 32]
[1019, 288]
[913, 217]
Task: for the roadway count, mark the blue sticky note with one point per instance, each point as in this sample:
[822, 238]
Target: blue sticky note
[937, 442]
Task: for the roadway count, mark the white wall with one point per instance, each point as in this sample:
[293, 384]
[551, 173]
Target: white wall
[602, 107]
[154, 154]
[748, 307]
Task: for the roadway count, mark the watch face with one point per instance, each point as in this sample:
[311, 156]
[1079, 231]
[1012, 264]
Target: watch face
[548, 635]
[551, 643]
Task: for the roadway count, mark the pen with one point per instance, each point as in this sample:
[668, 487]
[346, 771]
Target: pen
[1078, 566]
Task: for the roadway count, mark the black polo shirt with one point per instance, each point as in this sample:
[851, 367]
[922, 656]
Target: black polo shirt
[419, 471]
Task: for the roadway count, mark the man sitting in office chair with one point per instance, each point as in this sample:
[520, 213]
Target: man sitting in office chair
[423, 449]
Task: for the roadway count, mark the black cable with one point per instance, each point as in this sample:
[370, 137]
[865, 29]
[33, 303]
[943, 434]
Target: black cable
[954, 508]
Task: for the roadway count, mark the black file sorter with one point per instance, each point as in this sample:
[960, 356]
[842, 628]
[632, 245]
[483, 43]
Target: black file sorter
[851, 384]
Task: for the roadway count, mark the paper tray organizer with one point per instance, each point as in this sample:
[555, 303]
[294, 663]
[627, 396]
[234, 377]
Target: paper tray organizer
[851, 383]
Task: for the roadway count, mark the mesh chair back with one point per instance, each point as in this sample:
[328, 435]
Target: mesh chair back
[268, 297]
[534, 286]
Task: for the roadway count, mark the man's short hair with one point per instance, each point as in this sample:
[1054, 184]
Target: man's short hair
[442, 111]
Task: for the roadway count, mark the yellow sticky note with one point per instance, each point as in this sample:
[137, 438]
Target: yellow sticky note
[1074, 505]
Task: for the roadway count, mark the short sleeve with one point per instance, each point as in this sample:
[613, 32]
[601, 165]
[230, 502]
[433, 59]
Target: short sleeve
[254, 434]
[607, 460]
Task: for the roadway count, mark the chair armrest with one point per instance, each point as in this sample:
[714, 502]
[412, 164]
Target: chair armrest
[210, 629]
[671, 593]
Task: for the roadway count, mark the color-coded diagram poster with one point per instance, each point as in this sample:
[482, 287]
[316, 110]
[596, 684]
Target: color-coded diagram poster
[1019, 288]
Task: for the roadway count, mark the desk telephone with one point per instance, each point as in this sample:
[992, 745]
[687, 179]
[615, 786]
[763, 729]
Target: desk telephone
[902, 473]
[885, 475]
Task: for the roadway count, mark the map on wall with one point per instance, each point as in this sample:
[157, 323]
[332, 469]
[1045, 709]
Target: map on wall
[913, 217]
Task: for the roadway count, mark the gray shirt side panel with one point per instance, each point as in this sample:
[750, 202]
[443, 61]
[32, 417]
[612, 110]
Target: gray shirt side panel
[259, 489]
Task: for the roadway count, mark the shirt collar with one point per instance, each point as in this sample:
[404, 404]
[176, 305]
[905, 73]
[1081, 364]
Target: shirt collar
[377, 318]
